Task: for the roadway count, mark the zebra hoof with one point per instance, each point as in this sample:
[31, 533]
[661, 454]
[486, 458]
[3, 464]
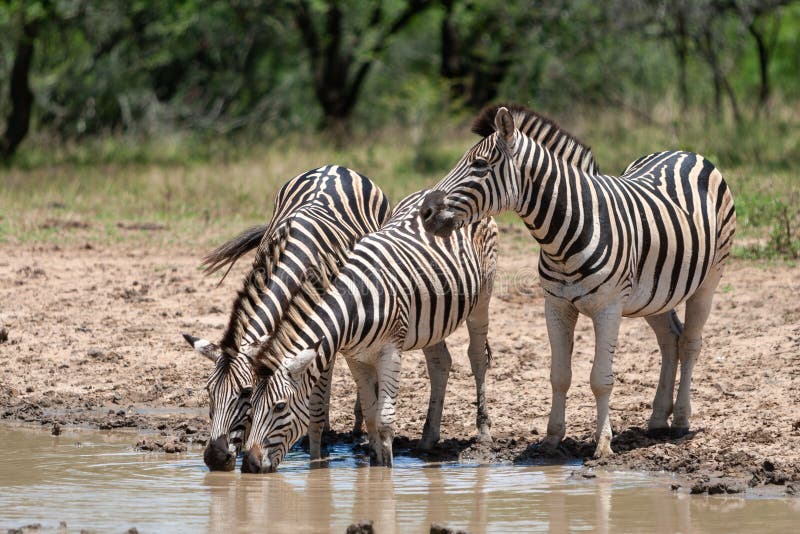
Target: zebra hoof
[485, 438]
[658, 433]
[678, 431]
[427, 442]
[549, 445]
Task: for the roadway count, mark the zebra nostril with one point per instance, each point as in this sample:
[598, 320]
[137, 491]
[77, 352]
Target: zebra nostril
[426, 212]
[251, 463]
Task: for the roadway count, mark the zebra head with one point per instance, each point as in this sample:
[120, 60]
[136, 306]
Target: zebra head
[229, 387]
[484, 182]
[280, 413]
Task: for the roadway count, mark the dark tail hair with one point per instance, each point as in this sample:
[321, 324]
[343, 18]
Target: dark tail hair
[228, 253]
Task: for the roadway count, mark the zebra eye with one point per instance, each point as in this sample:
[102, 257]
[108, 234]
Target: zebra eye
[280, 406]
[480, 163]
[246, 392]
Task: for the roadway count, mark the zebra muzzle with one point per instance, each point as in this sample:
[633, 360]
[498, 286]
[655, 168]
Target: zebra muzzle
[220, 454]
[436, 218]
[256, 460]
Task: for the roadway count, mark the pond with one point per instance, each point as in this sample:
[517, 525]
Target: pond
[96, 480]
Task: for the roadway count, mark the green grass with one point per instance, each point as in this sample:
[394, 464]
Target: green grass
[204, 190]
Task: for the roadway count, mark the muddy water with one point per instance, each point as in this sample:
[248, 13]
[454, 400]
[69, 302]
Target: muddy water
[97, 481]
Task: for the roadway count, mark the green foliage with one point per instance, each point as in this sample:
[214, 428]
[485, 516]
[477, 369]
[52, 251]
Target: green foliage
[124, 90]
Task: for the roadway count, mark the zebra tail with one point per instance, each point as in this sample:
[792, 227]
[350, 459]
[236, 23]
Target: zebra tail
[488, 355]
[229, 252]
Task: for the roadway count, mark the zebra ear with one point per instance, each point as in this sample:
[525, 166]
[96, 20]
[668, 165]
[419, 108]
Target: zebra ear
[302, 361]
[504, 124]
[251, 351]
[206, 348]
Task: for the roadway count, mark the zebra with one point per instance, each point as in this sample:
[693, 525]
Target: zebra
[635, 246]
[400, 289]
[322, 211]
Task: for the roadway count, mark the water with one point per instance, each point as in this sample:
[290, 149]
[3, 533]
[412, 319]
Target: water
[97, 481]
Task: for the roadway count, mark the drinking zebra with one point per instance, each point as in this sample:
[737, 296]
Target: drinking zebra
[320, 212]
[634, 246]
[400, 289]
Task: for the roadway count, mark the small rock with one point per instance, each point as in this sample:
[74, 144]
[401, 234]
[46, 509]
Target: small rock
[768, 466]
[718, 486]
[675, 487]
[56, 430]
[95, 353]
[27, 529]
[793, 489]
[362, 527]
[441, 529]
[146, 445]
[172, 445]
[3, 335]
[29, 389]
[132, 530]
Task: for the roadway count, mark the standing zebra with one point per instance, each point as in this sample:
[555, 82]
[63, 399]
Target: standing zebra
[320, 212]
[400, 289]
[634, 246]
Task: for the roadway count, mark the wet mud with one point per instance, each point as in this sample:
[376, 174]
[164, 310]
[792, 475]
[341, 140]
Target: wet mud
[92, 337]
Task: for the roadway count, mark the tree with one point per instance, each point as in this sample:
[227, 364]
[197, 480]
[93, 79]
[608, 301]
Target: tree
[757, 16]
[20, 93]
[342, 52]
[479, 42]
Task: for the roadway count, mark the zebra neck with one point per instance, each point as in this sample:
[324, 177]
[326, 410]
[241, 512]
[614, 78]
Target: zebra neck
[342, 317]
[554, 197]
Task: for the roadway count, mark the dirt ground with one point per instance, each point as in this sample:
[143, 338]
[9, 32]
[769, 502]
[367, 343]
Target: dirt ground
[94, 338]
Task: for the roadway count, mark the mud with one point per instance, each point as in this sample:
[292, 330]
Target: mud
[94, 338]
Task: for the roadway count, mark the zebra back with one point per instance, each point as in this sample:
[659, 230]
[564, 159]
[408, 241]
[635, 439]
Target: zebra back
[388, 259]
[319, 215]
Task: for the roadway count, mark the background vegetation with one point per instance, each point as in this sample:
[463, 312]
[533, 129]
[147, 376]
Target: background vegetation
[189, 114]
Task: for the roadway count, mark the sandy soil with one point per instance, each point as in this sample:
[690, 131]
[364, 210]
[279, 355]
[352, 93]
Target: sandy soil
[94, 338]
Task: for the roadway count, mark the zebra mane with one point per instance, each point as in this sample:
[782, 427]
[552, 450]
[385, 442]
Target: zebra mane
[268, 254]
[543, 130]
[317, 280]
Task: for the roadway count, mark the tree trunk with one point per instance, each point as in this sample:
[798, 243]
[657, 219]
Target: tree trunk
[21, 95]
[453, 63]
[681, 53]
[763, 63]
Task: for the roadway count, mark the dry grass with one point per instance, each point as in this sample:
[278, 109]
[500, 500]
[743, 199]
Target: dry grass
[93, 192]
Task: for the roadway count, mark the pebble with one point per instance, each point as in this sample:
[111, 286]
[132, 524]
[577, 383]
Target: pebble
[362, 527]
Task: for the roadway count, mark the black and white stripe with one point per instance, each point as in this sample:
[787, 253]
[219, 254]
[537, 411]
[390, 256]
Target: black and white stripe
[400, 289]
[319, 213]
[637, 245]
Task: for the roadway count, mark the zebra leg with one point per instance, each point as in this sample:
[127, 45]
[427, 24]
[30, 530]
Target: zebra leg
[318, 412]
[667, 327]
[606, 331]
[561, 317]
[388, 383]
[698, 307]
[366, 382]
[438, 360]
[358, 416]
[479, 358]
[326, 400]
